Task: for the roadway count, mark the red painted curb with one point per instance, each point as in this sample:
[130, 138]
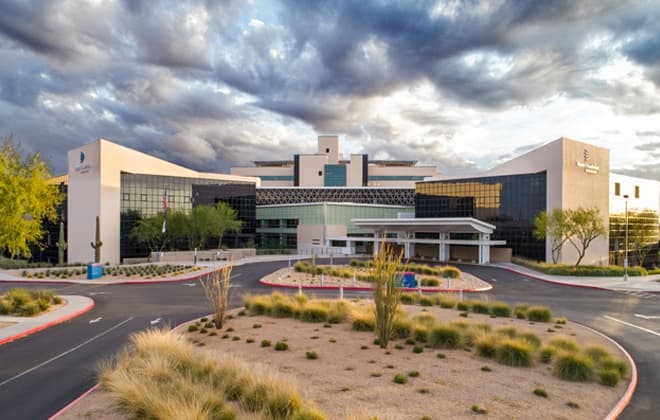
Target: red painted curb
[561, 283]
[74, 402]
[632, 386]
[46, 325]
[367, 289]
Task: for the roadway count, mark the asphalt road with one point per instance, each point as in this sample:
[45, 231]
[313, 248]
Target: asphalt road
[42, 373]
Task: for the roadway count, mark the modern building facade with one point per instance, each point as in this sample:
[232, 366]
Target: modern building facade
[562, 174]
[326, 168]
[114, 182]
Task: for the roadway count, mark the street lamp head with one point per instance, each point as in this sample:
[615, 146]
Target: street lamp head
[625, 196]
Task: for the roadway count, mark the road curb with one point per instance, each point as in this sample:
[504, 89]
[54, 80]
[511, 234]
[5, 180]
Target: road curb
[561, 283]
[368, 289]
[49, 324]
[632, 386]
[74, 402]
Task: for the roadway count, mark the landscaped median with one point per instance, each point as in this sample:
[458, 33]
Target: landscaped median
[24, 302]
[292, 356]
[357, 276]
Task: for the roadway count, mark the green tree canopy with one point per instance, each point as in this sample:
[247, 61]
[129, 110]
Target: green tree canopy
[26, 199]
[149, 232]
[553, 225]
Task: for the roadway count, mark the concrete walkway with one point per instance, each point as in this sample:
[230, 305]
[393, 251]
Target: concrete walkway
[24, 326]
[649, 284]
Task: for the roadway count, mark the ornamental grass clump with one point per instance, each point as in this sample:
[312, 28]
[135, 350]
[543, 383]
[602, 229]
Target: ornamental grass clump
[444, 336]
[216, 290]
[486, 345]
[514, 352]
[160, 375]
[564, 343]
[479, 307]
[573, 367]
[539, 314]
[362, 320]
[314, 312]
[448, 301]
[500, 309]
[409, 298]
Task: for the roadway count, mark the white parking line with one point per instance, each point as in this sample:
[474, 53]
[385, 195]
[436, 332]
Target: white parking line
[632, 325]
[72, 349]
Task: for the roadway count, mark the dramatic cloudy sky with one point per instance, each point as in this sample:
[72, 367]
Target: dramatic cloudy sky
[208, 84]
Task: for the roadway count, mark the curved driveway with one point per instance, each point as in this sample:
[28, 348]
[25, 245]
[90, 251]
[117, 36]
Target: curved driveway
[41, 373]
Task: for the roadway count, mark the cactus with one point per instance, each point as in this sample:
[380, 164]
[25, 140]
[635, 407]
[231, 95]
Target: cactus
[97, 244]
[61, 246]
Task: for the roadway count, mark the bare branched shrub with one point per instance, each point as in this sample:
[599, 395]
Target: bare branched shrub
[386, 292]
[216, 289]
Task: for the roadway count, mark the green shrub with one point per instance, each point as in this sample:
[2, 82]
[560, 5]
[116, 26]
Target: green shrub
[531, 338]
[426, 300]
[314, 312]
[311, 355]
[613, 363]
[409, 298]
[400, 378]
[510, 332]
[514, 352]
[486, 345]
[479, 307]
[451, 272]
[444, 336]
[564, 343]
[520, 310]
[573, 367]
[259, 305]
[500, 309]
[283, 309]
[363, 321]
[430, 282]
[420, 333]
[539, 314]
[463, 306]
[413, 373]
[29, 309]
[448, 302]
[609, 377]
[596, 353]
[338, 312]
[265, 343]
[540, 392]
[281, 346]
[402, 328]
[418, 349]
[547, 353]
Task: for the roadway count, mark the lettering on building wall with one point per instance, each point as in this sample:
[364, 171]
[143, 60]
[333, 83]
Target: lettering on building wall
[586, 164]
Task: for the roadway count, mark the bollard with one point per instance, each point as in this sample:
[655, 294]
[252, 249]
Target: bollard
[460, 295]
[419, 288]
[289, 263]
[341, 292]
[449, 283]
[330, 259]
[300, 290]
[321, 279]
[354, 280]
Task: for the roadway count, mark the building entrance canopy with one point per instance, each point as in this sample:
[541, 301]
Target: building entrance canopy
[406, 228]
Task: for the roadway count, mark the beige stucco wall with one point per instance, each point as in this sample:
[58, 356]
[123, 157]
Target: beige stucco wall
[312, 168]
[329, 146]
[354, 171]
[97, 192]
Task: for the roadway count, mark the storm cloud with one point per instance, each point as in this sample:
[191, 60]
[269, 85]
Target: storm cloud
[209, 84]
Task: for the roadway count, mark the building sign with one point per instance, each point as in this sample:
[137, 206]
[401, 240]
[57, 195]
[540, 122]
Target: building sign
[587, 165]
[82, 167]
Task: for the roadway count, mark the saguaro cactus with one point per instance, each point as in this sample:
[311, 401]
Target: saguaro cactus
[61, 245]
[97, 244]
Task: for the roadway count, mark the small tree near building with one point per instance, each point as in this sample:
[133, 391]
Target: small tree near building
[584, 226]
[553, 225]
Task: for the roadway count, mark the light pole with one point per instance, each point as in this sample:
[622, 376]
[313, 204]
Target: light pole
[193, 201]
[625, 259]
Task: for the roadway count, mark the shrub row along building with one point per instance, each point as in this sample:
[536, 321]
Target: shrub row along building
[322, 203]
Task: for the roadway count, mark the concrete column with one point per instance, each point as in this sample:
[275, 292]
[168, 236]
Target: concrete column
[376, 243]
[443, 248]
[484, 249]
[406, 245]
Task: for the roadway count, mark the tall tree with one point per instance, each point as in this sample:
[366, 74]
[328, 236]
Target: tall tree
[26, 199]
[149, 232]
[226, 221]
[553, 225]
[584, 226]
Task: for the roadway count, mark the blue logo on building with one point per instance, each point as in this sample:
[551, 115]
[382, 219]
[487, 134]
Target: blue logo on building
[82, 157]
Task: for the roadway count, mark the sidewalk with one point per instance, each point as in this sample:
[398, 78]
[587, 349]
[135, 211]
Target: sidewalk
[649, 284]
[24, 326]
[207, 268]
